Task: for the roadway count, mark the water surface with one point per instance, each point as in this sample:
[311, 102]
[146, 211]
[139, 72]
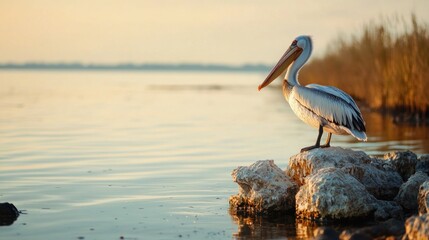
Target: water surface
[148, 155]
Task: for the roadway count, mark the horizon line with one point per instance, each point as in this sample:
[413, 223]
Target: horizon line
[134, 66]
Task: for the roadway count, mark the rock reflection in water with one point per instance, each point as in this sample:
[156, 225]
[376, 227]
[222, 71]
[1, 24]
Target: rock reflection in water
[288, 226]
[257, 227]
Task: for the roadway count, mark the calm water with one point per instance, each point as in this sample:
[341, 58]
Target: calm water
[110, 155]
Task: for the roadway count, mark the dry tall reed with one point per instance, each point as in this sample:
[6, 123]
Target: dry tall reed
[385, 67]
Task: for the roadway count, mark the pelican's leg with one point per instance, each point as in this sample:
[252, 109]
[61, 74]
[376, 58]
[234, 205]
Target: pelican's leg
[328, 141]
[317, 145]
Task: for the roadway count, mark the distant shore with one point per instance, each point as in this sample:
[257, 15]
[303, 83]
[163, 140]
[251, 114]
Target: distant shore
[136, 67]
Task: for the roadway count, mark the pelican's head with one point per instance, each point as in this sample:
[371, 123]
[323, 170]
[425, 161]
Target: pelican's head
[292, 53]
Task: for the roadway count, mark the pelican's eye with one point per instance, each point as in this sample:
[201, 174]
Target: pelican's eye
[294, 43]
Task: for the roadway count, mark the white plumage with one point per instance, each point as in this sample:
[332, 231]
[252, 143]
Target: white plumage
[327, 108]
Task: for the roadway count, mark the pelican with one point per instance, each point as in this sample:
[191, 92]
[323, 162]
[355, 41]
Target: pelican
[324, 107]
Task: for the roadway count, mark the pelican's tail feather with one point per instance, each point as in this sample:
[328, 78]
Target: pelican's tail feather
[361, 136]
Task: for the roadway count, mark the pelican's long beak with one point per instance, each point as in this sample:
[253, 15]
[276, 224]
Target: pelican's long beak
[288, 57]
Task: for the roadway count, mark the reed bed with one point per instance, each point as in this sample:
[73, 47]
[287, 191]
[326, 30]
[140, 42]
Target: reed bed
[386, 66]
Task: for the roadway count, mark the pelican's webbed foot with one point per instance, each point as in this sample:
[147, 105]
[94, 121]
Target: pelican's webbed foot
[306, 149]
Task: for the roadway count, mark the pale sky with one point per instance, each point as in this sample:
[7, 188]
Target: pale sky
[190, 31]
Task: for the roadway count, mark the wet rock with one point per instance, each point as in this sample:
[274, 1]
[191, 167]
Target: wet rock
[423, 198]
[378, 176]
[404, 162]
[391, 228]
[8, 214]
[423, 164]
[263, 189]
[407, 196]
[332, 194]
[387, 210]
[417, 227]
[325, 233]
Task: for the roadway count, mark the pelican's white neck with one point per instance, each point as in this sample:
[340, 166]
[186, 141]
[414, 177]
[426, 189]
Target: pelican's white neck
[293, 70]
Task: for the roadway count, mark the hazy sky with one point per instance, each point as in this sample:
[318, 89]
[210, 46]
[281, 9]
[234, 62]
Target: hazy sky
[167, 31]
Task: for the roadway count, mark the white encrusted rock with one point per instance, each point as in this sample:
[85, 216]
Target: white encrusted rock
[417, 227]
[423, 198]
[332, 194]
[304, 164]
[407, 195]
[378, 176]
[263, 188]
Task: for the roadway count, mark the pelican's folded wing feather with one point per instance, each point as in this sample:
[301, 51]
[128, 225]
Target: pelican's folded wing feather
[332, 104]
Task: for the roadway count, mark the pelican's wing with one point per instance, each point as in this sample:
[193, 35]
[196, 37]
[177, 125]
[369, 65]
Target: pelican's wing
[336, 92]
[331, 104]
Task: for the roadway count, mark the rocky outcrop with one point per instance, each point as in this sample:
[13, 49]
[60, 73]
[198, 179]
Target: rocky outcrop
[340, 184]
[423, 198]
[263, 189]
[378, 176]
[8, 214]
[332, 194]
[417, 227]
[407, 196]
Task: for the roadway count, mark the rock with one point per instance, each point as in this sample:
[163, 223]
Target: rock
[407, 196]
[335, 184]
[325, 233]
[417, 227]
[404, 162]
[392, 228]
[263, 189]
[423, 164]
[423, 198]
[306, 163]
[8, 214]
[378, 176]
[387, 210]
[332, 194]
